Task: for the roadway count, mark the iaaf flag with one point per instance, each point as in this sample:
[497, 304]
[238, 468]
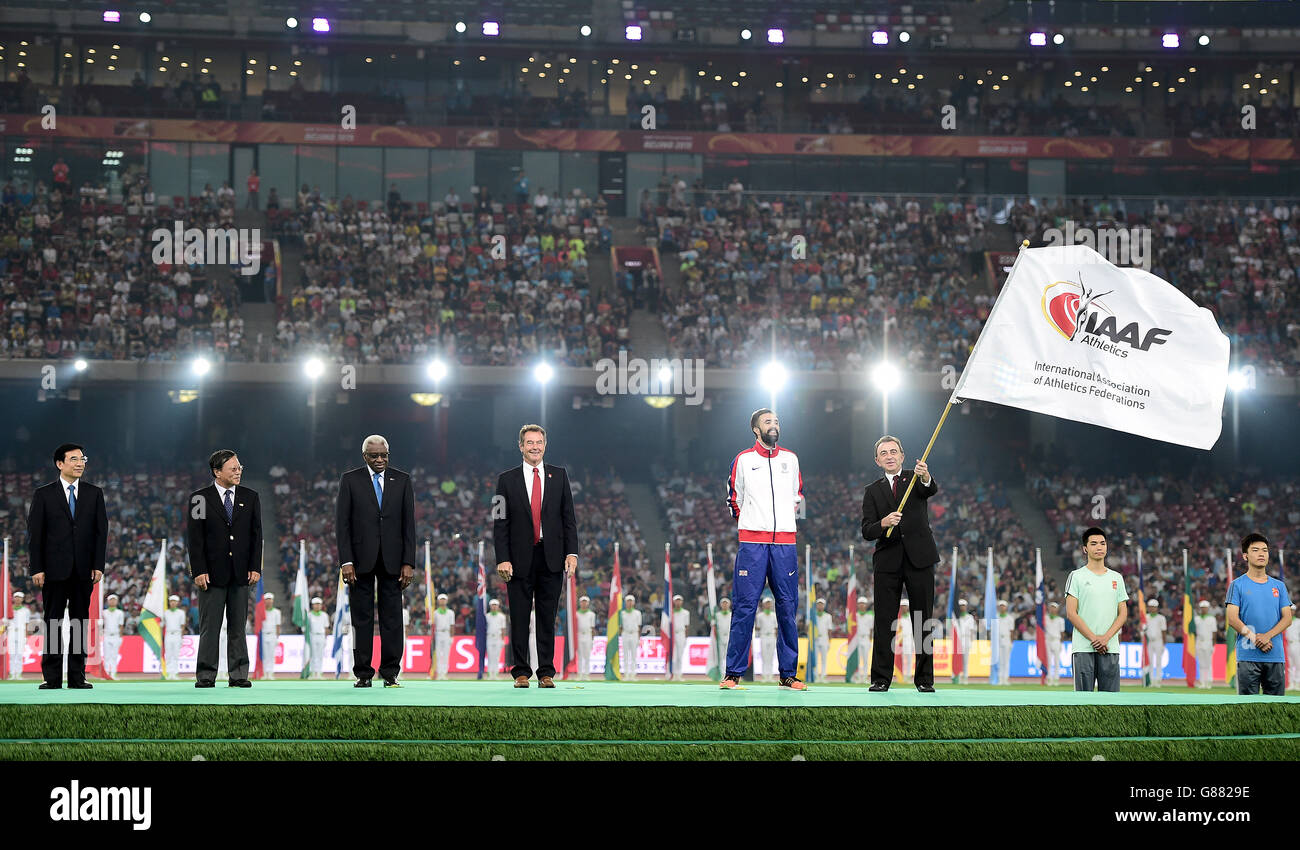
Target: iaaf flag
[1075, 337]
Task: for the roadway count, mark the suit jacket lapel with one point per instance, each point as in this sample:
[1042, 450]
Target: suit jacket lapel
[63, 497]
[546, 486]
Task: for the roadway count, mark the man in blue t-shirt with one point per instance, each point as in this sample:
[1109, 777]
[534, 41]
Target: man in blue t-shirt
[1259, 608]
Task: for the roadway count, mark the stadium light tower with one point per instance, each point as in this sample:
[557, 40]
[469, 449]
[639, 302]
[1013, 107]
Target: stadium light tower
[437, 370]
[773, 377]
[201, 366]
[313, 368]
[542, 373]
[80, 364]
[886, 378]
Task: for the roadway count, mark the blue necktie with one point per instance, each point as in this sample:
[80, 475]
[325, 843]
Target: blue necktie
[230, 509]
[72, 500]
[379, 491]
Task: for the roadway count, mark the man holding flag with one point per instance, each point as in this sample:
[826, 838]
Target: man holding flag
[224, 541]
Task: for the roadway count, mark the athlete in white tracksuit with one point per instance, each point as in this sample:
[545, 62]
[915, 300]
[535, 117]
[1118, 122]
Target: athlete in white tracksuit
[173, 630]
[1006, 623]
[443, 620]
[629, 620]
[114, 619]
[822, 650]
[1054, 627]
[586, 627]
[722, 633]
[1205, 629]
[905, 646]
[1293, 647]
[270, 636]
[318, 627]
[966, 628]
[1155, 634]
[496, 626]
[681, 618]
[765, 627]
[863, 629]
[16, 635]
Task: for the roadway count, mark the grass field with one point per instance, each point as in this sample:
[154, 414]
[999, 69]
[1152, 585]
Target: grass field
[600, 721]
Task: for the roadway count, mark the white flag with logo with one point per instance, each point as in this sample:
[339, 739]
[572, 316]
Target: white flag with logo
[1073, 336]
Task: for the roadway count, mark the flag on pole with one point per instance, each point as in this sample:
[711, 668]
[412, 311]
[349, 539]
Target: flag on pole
[95, 634]
[991, 619]
[612, 624]
[666, 618]
[259, 614]
[7, 614]
[429, 606]
[155, 603]
[715, 663]
[342, 622]
[1230, 660]
[1040, 613]
[853, 662]
[1142, 624]
[1286, 664]
[302, 609]
[953, 628]
[480, 615]
[1189, 627]
[571, 626]
[1075, 337]
[811, 671]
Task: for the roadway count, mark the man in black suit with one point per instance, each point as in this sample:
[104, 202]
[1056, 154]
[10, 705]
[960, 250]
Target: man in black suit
[535, 535]
[224, 536]
[375, 531]
[904, 558]
[67, 537]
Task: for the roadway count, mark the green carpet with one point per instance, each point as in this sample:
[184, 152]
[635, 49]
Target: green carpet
[454, 692]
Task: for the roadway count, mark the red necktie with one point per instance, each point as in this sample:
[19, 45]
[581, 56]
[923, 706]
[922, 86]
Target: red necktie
[537, 505]
[896, 477]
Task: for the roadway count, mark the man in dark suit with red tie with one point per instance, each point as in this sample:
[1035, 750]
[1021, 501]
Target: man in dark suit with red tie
[535, 534]
[905, 558]
[67, 538]
[375, 532]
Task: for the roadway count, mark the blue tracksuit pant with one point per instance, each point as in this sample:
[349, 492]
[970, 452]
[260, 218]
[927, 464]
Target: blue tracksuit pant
[777, 565]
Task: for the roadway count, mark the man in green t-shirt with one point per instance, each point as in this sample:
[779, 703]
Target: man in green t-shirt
[1095, 599]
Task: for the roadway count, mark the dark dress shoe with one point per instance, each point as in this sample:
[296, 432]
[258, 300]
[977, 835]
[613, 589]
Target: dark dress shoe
[545, 682]
[48, 686]
[521, 681]
[878, 687]
[392, 683]
[205, 684]
[240, 683]
[80, 686]
[925, 689]
[361, 683]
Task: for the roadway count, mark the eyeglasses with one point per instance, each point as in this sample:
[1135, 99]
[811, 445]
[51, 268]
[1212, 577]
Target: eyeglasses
[77, 460]
[376, 454]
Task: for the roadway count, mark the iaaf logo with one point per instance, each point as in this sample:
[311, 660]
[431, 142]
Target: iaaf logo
[102, 804]
[208, 246]
[1071, 309]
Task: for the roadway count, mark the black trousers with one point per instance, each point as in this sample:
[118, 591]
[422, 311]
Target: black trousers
[919, 582]
[73, 595]
[542, 587]
[361, 597]
[215, 605]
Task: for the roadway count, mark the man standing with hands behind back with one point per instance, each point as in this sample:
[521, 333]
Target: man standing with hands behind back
[67, 537]
[905, 558]
[375, 531]
[224, 538]
[535, 535]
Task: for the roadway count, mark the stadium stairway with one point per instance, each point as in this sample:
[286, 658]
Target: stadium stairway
[645, 507]
[271, 579]
[1035, 523]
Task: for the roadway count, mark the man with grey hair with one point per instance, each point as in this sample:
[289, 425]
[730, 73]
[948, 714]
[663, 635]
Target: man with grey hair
[375, 533]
